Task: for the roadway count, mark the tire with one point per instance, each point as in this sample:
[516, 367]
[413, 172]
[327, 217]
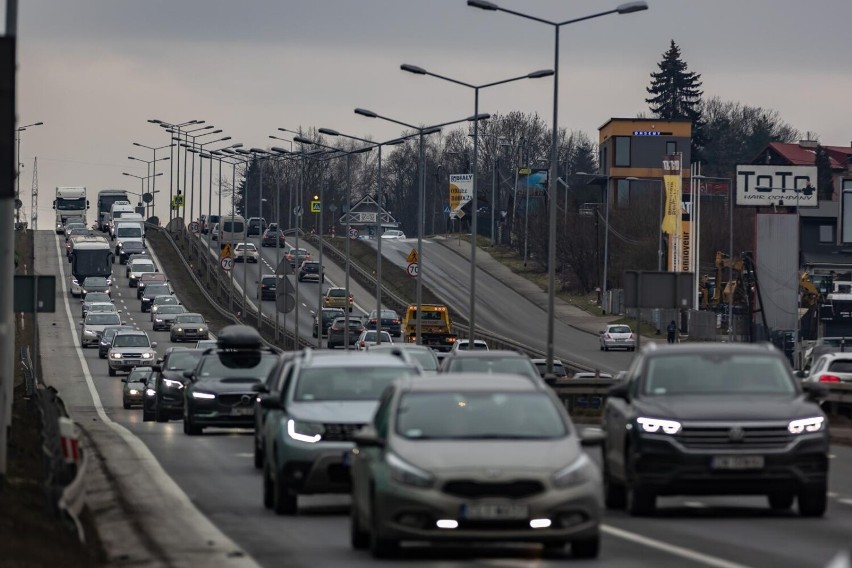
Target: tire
[586, 547]
[189, 428]
[380, 547]
[284, 501]
[101, 356]
[813, 500]
[112, 372]
[781, 501]
[267, 487]
[126, 406]
[358, 537]
[258, 457]
[639, 501]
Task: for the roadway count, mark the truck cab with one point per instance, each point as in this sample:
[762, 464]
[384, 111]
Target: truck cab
[436, 329]
[69, 202]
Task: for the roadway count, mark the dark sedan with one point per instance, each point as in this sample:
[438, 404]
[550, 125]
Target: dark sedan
[128, 248]
[715, 419]
[164, 400]
[268, 239]
[151, 292]
[337, 332]
[327, 315]
[390, 322]
[266, 287]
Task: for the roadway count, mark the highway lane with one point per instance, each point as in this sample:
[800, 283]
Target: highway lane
[216, 471]
[499, 308]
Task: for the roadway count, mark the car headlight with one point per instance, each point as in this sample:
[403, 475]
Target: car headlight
[150, 392]
[134, 391]
[88, 332]
[147, 355]
[403, 472]
[576, 472]
[658, 426]
[201, 329]
[203, 395]
[310, 432]
[170, 383]
[158, 320]
[115, 355]
[803, 425]
[178, 328]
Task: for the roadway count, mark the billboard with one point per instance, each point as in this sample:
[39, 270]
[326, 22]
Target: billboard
[680, 249]
[532, 182]
[674, 192]
[787, 186]
[461, 190]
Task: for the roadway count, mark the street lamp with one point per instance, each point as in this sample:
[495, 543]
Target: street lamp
[626, 8]
[170, 127]
[421, 191]
[18, 170]
[154, 164]
[142, 179]
[606, 233]
[474, 207]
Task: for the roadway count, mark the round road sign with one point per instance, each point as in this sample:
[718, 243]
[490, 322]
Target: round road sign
[226, 263]
[147, 197]
[413, 269]
[353, 233]
[194, 226]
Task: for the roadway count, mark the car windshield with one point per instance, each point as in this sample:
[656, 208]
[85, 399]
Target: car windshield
[131, 340]
[426, 360]
[171, 310]
[103, 319]
[238, 365]
[558, 369]
[619, 329]
[331, 314]
[95, 281]
[152, 290]
[478, 415]
[190, 319]
[139, 375]
[345, 383]
[477, 346]
[183, 360]
[163, 299]
[336, 293]
[102, 307]
[371, 336]
[93, 297]
[139, 267]
[717, 374]
[128, 232]
[516, 365]
[155, 277]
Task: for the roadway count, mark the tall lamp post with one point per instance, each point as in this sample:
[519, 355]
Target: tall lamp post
[554, 150]
[149, 177]
[142, 180]
[18, 169]
[421, 192]
[154, 164]
[606, 179]
[474, 207]
[170, 128]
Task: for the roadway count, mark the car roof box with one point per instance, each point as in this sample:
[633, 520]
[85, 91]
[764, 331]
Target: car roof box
[239, 337]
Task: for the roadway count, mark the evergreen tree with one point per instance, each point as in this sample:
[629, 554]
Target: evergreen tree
[676, 94]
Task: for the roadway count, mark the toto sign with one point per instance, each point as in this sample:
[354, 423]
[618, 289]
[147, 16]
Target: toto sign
[765, 186]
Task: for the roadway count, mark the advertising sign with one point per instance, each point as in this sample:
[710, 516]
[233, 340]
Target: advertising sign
[680, 249]
[674, 190]
[461, 190]
[766, 186]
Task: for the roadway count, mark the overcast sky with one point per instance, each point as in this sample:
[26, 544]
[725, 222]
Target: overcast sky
[94, 71]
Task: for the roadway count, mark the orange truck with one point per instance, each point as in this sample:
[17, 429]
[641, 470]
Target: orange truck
[436, 329]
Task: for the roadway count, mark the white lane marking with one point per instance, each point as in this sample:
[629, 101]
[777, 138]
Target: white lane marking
[672, 549]
[832, 494]
[845, 501]
[695, 504]
[244, 455]
[831, 456]
[171, 491]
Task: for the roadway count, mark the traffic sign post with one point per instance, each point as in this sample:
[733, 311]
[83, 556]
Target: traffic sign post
[227, 263]
[194, 227]
[413, 270]
[353, 233]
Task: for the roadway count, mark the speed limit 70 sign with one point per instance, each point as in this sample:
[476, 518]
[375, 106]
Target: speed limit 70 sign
[227, 263]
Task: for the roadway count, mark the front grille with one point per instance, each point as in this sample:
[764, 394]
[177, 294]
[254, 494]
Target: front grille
[340, 432]
[476, 489]
[189, 331]
[233, 399]
[733, 436]
[132, 355]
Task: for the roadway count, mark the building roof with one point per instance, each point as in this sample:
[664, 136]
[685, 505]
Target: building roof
[798, 155]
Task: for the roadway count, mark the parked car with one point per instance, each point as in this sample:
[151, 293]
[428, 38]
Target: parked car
[618, 336]
[246, 252]
[325, 317]
[92, 327]
[480, 457]
[336, 298]
[133, 391]
[189, 327]
[311, 270]
[130, 349]
[715, 419]
[337, 332]
[391, 322]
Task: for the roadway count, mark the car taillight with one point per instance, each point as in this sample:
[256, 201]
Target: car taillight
[372, 321]
[394, 322]
[829, 379]
[263, 286]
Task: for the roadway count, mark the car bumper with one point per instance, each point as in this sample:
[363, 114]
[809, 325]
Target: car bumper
[267, 295]
[170, 402]
[135, 399]
[210, 413]
[411, 513]
[87, 339]
[189, 336]
[315, 468]
[128, 364]
[667, 469]
[165, 324]
[619, 344]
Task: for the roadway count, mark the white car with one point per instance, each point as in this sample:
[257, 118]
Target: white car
[393, 234]
[464, 345]
[246, 252]
[137, 267]
[368, 336]
[618, 336]
[214, 232]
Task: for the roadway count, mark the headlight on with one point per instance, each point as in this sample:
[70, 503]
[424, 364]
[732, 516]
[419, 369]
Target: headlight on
[203, 395]
[310, 432]
[147, 355]
[115, 355]
[134, 391]
[201, 329]
[575, 473]
[658, 426]
[178, 328]
[158, 320]
[405, 473]
[802, 425]
[150, 392]
[172, 384]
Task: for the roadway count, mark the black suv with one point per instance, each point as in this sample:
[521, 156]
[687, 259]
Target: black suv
[219, 391]
[715, 419]
[311, 270]
[164, 399]
[151, 291]
[255, 226]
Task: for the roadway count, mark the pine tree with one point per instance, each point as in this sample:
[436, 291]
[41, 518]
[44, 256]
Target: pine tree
[676, 94]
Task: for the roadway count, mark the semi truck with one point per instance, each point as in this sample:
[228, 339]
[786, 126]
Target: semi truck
[69, 202]
[106, 198]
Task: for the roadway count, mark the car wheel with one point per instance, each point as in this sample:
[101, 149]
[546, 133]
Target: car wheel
[813, 500]
[268, 500]
[112, 372]
[258, 456]
[605, 348]
[284, 500]
[189, 428]
[173, 339]
[614, 492]
[639, 501]
[380, 547]
[781, 501]
[586, 547]
[126, 406]
[358, 537]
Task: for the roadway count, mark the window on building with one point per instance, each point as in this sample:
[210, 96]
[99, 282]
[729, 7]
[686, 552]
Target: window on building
[622, 151]
[671, 148]
[826, 234]
[622, 194]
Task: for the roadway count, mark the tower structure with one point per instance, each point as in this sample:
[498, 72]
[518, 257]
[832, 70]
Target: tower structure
[34, 202]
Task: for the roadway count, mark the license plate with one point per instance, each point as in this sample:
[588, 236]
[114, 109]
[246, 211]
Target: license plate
[242, 411]
[494, 511]
[737, 462]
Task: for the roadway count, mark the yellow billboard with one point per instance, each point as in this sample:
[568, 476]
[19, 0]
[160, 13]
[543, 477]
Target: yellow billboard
[680, 248]
[674, 190]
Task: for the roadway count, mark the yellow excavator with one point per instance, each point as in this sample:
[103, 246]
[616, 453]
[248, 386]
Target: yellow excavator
[718, 291]
[809, 294]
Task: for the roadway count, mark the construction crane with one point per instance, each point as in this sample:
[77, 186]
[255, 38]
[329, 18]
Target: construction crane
[34, 201]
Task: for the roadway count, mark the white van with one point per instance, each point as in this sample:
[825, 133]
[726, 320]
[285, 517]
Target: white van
[118, 209]
[232, 229]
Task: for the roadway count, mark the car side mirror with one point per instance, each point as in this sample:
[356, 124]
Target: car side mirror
[815, 391]
[270, 402]
[368, 437]
[123, 379]
[592, 437]
[619, 391]
[153, 344]
[188, 374]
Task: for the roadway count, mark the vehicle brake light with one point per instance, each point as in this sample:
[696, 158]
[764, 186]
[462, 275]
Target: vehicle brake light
[372, 321]
[829, 379]
[394, 321]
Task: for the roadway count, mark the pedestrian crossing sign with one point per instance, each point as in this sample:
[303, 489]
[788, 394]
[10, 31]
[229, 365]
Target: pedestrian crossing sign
[315, 207]
[177, 201]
